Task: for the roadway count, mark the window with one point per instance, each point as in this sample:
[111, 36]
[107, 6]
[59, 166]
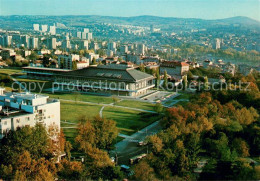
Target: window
[5, 123]
[27, 118]
[17, 120]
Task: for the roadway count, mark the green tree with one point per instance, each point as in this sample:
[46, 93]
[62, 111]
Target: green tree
[165, 78]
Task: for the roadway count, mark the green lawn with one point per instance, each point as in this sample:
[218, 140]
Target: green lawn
[129, 121]
[10, 71]
[83, 97]
[71, 111]
[136, 104]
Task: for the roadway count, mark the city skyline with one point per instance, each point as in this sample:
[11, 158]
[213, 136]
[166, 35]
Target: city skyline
[212, 9]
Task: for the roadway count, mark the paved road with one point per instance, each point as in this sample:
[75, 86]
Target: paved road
[129, 146]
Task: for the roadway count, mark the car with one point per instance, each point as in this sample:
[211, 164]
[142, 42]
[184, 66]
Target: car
[142, 143]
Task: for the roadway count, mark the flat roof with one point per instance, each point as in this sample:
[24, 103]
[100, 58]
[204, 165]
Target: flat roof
[47, 69]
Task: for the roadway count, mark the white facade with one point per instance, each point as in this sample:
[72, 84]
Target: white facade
[33, 43]
[52, 43]
[44, 28]
[26, 109]
[52, 30]
[141, 49]
[36, 27]
[65, 61]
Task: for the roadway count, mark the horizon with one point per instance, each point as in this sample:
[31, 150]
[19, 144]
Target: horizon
[137, 16]
[197, 9]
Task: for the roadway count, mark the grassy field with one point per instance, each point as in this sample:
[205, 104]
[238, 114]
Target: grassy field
[71, 112]
[136, 104]
[83, 97]
[10, 71]
[128, 121]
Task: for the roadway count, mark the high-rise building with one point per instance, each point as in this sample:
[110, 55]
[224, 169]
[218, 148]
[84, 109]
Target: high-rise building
[25, 40]
[51, 43]
[218, 43]
[83, 44]
[36, 27]
[7, 40]
[86, 30]
[124, 49]
[94, 45]
[33, 43]
[141, 49]
[53, 30]
[79, 34]
[112, 46]
[44, 28]
[66, 44]
[87, 36]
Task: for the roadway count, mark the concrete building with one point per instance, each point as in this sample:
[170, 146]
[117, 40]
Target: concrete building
[53, 30]
[112, 46]
[7, 40]
[174, 69]
[124, 49]
[65, 61]
[83, 45]
[33, 43]
[44, 28]
[36, 27]
[94, 46]
[90, 56]
[86, 30]
[7, 53]
[141, 49]
[79, 34]
[26, 109]
[66, 44]
[87, 36]
[25, 40]
[51, 43]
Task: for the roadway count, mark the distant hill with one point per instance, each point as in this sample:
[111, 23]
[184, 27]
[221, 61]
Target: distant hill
[161, 22]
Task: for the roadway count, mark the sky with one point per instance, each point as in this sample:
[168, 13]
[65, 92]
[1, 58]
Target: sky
[205, 9]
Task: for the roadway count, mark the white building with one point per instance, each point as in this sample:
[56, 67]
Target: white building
[51, 43]
[52, 30]
[44, 28]
[25, 40]
[26, 109]
[79, 34]
[141, 49]
[33, 43]
[36, 27]
[65, 61]
[112, 46]
[124, 49]
[87, 36]
[7, 40]
[83, 44]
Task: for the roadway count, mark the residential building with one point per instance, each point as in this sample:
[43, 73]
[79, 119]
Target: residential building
[51, 43]
[36, 27]
[65, 61]
[33, 43]
[175, 69]
[44, 28]
[53, 30]
[141, 49]
[26, 109]
[7, 40]
[25, 40]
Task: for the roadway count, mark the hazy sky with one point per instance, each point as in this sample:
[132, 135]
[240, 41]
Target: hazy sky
[206, 9]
